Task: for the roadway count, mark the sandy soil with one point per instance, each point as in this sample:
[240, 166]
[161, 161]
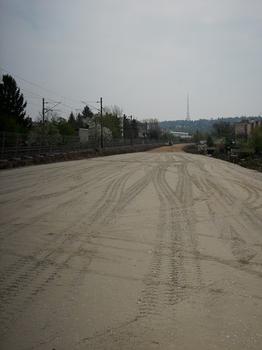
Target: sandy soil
[136, 251]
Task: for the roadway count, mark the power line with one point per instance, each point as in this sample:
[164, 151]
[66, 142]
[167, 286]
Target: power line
[39, 97]
[34, 104]
[96, 108]
[68, 106]
[28, 92]
[41, 87]
[27, 81]
[36, 95]
[32, 97]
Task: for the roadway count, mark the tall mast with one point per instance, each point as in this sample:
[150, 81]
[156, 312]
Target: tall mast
[187, 114]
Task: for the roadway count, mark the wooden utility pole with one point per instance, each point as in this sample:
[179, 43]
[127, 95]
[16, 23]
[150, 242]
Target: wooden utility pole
[131, 124]
[43, 111]
[101, 123]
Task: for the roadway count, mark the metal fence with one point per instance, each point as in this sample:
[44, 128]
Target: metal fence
[14, 145]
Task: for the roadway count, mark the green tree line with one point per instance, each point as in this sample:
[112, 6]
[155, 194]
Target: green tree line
[13, 118]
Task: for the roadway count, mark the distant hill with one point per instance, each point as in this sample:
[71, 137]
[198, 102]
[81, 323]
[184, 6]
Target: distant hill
[202, 125]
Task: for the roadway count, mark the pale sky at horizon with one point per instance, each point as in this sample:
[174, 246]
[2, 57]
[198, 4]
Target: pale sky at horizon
[143, 56]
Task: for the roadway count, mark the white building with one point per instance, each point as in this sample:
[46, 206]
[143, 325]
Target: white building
[181, 134]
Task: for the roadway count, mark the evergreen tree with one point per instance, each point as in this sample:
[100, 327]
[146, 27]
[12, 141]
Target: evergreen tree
[12, 107]
[87, 113]
[72, 120]
[79, 121]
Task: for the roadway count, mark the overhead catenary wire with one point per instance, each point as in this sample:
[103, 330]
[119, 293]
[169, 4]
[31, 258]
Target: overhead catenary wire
[45, 110]
[45, 89]
[36, 85]
[33, 95]
[34, 104]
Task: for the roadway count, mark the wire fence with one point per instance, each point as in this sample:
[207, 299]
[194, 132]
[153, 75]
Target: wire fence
[23, 146]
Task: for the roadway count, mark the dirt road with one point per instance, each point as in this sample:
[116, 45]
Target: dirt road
[173, 148]
[137, 251]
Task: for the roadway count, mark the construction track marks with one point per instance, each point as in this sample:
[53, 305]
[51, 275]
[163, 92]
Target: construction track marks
[173, 271]
[162, 226]
[30, 275]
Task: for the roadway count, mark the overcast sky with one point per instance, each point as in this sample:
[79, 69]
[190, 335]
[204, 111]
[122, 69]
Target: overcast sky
[142, 55]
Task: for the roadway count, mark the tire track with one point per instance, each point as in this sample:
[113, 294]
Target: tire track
[36, 274]
[220, 197]
[72, 189]
[29, 272]
[148, 301]
[172, 271]
[21, 262]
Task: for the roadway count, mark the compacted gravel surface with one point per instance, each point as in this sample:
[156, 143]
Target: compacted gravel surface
[156, 250]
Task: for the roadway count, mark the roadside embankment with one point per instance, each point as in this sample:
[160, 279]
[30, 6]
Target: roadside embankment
[250, 162]
[72, 155]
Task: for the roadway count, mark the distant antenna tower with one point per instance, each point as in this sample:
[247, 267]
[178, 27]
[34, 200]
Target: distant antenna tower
[187, 112]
